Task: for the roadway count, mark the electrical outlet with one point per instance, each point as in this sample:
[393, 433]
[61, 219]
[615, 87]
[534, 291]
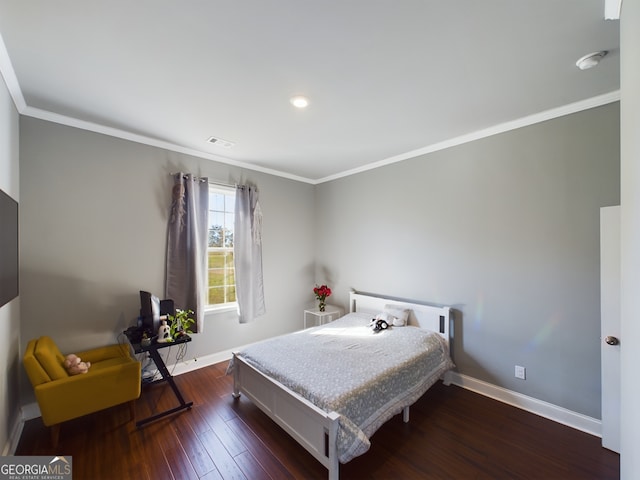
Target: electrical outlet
[520, 372]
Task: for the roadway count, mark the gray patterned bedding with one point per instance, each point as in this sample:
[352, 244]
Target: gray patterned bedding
[345, 367]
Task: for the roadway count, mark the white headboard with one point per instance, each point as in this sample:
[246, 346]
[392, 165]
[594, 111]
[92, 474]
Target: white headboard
[437, 319]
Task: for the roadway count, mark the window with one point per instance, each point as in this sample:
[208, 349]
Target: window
[221, 281]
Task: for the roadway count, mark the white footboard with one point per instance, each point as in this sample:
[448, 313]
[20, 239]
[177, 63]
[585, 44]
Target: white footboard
[313, 428]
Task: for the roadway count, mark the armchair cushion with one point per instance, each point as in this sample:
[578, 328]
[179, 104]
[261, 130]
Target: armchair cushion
[50, 358]
[36, 372]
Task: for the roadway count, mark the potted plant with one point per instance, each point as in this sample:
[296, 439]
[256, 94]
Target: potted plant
[181, 323]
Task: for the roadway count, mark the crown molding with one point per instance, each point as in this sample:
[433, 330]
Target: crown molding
[153, 142]
[10, 79]
[8, 73]
[487, 132]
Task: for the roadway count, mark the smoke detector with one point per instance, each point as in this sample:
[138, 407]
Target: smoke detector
[590, 60]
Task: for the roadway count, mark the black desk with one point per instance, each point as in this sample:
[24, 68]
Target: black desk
[152, 350]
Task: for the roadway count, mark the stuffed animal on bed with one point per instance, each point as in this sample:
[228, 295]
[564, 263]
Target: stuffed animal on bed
[379, 323]
[74, 365]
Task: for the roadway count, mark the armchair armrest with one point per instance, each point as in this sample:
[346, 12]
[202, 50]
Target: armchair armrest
[100, 354]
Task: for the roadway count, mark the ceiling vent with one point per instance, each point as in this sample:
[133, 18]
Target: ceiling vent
[220, 142]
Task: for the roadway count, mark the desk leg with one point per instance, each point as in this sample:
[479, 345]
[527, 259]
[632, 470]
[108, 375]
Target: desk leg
[166, 376]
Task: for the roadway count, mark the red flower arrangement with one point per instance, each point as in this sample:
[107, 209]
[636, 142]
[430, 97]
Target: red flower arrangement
[322, 292]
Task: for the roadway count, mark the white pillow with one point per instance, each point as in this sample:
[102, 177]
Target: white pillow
[384, 316]
[399, 315]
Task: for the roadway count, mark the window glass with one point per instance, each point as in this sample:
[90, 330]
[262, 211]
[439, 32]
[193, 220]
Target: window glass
[221, 282]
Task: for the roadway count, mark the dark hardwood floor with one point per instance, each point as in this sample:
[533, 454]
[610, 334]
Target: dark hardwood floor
[453, 433]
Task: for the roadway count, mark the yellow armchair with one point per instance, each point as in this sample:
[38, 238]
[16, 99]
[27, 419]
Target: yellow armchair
[114, 378]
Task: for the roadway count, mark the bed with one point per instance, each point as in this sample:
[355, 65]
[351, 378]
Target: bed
[332, 386]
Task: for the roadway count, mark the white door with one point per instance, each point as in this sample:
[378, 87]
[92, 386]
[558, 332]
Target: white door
[610, 325]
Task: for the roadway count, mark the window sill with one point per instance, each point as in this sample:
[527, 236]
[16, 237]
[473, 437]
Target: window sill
[223, 309]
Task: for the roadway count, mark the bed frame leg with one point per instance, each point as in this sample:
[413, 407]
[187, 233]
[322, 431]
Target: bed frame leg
[236, 381]
[446, 379]
[332, 445]
[334, 471]
[405, 414]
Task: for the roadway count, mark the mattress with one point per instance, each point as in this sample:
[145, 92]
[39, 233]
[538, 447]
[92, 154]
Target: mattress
[366, 377]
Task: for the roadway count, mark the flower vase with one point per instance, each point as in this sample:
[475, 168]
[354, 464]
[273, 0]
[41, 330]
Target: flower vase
[322, 306]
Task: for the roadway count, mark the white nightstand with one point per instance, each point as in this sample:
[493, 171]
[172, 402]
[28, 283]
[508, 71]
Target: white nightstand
[330, 314]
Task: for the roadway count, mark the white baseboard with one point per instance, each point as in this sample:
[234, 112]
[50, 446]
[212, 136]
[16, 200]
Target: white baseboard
[30, 411]
[200, 362]
[539, 407]
[544, 409]
[27, 412]
[14, 437]
[533, 405]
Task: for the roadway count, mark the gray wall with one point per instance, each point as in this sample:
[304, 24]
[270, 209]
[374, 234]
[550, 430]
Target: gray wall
[94, 211]
[504, 229]
[10, 365]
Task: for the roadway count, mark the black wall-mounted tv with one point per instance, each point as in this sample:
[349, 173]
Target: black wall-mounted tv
[8, 248]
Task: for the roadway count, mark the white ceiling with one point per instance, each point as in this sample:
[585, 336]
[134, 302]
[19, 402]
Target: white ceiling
[387, 79]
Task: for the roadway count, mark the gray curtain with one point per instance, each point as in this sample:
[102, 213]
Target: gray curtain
[247, 254]
[187, 245]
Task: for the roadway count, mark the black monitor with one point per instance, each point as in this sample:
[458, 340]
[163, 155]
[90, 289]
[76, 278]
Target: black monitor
[152, 311]
[149, 313]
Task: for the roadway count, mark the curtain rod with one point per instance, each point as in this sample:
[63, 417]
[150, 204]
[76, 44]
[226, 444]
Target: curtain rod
[221, 184]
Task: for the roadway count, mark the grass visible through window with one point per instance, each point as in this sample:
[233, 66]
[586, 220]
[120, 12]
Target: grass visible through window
[221, 279]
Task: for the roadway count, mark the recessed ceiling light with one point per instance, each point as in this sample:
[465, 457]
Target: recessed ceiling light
[299, 101]
[590, 60]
